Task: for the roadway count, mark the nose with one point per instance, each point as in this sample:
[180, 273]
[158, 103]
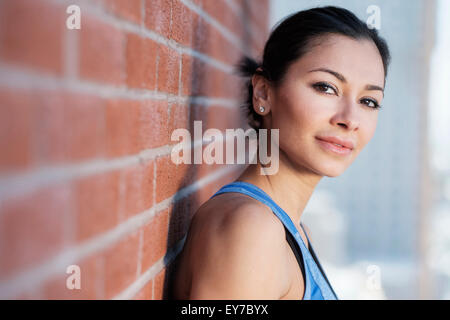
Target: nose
[347, 116]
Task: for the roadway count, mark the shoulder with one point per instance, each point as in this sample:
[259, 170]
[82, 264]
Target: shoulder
[232, 214]
[235, 249]
[246, 215]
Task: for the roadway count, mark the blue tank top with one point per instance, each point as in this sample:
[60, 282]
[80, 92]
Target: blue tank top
[317, 286]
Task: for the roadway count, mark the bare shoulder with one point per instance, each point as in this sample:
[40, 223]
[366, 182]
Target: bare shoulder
[231, 213]
[235, 245]
[234, 212]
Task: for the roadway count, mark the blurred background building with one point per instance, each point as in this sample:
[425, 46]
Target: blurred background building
[439, 137]
[382, 227]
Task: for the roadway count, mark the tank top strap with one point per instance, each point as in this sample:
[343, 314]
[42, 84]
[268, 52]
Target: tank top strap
[313, 254]
[258, 194]
[316, 287]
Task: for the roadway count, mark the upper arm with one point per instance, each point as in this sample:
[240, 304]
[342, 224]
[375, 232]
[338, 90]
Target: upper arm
[240, 258]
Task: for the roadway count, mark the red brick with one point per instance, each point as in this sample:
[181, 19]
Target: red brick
[171, 177]
[198, 112]
[146, 293]
[220, 11]
[180, 214]
[50, 127]
[62, 130]
[179, 118]
[216, 83]
[154, 246]
[16, 139]
[201, 79]
[137, 189]
[222, 117]
[194, 77]
[153, 124]
[159, 285]
[187, 75]
[204, 169]
[181, 30]
[257, 13]
[91, 282]
[34, 293]
[97, 204]
[158, 16]
[235, 23]
[198, 3]
[141, 62]
[201, 33]
[191, 203]
[207, 191]
[234, 89]
[120, 266]
[128, 9]
[102, 52]
[28, 39]
[132, 126]
[211, 117]
[34, 228]
[122, 127]
[168, 69]
[211, 42]
[217, 116]
[220, 47]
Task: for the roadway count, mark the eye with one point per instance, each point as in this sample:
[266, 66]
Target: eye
[371, 103]
[324, 87]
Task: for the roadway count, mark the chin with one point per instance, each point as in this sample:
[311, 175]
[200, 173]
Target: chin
[330, 170]
[332, 167]
[334, 175]
[322, 165]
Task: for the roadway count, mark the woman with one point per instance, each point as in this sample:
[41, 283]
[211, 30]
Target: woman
[321, 83]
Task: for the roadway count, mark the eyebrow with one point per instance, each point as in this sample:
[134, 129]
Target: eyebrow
[342, 78]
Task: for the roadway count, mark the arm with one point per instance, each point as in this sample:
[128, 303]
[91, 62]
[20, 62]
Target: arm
[239, 258]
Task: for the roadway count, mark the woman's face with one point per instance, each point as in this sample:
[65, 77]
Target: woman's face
[312, 104]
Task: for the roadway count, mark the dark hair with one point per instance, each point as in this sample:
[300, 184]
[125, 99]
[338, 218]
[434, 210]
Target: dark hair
[293, 36]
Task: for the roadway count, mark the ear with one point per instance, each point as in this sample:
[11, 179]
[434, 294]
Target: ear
[261, 104]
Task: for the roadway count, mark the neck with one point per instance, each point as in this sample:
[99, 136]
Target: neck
[291, 187]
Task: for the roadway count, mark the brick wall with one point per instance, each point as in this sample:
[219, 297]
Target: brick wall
[85, 122]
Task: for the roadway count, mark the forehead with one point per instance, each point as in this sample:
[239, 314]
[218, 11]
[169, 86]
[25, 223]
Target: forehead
[359, 61]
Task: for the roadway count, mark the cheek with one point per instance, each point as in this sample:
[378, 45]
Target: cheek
[299, 119]
[298, 110]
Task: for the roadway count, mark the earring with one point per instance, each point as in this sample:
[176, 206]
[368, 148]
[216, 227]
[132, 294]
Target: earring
[261, 108]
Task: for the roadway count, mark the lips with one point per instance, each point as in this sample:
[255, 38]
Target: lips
[338, 141]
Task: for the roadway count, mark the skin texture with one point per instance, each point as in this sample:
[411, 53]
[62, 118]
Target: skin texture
[236, 247]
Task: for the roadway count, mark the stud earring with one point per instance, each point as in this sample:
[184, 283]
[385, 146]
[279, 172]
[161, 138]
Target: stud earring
[261, 108]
